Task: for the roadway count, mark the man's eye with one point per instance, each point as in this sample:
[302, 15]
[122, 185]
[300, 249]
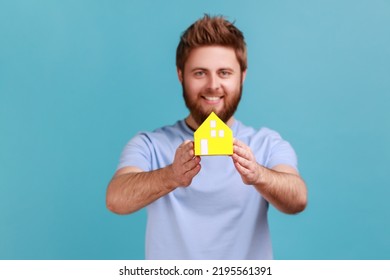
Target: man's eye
[199, 73]
[225, 73]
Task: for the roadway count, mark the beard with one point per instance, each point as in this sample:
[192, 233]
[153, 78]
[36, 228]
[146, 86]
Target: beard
[200, 114]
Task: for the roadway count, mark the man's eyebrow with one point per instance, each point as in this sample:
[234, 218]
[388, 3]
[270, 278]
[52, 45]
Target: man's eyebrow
[226, 68]
[206, 69]
[199, 68]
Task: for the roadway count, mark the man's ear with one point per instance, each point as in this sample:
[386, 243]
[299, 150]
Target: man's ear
[243, 76]
[180, 75]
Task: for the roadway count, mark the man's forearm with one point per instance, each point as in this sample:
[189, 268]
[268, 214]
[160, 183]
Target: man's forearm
[282, 186]
[286, 191]
[130, 192]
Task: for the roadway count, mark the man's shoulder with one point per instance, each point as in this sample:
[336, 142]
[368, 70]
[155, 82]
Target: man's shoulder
[171, 131]
[245, 131]
[166, 133]
[175, 127]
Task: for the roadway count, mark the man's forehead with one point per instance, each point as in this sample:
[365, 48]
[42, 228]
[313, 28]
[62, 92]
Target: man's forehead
[212, 57]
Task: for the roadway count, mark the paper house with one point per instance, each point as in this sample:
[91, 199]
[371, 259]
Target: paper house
[213, 137]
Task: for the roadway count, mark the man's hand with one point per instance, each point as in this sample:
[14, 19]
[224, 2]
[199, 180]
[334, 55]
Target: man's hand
[185, 164]
[282, 186]
[132, 189]
[245, 163]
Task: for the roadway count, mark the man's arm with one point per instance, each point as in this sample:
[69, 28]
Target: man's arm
[282, 186]
[132, 189]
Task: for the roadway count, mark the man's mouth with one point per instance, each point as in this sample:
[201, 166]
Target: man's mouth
[212, 99]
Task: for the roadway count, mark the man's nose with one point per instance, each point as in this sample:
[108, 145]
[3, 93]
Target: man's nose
[214, 82]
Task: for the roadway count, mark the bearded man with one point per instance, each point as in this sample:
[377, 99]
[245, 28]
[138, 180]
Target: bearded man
[208, 207]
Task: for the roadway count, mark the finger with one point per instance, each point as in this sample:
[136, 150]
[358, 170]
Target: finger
[236, 141]
[243, 162]
[194, 171]
[186, 151]
[239, 150]
[188, 143]
[240, 169]
[239, 143]
[191, 164]
[243, 153]
[189, 147]
[184, 144]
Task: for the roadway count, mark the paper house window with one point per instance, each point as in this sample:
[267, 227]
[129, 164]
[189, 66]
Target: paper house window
[213, 137]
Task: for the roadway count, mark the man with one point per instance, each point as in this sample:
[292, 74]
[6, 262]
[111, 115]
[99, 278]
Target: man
[210, 207]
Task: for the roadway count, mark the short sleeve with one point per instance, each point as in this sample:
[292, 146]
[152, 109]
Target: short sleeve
[281, 152]
[137, 152]
[271, 150]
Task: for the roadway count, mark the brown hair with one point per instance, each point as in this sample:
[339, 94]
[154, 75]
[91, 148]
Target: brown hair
[209, 31]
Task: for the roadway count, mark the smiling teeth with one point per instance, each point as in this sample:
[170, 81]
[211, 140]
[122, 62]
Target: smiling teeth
[212, 98]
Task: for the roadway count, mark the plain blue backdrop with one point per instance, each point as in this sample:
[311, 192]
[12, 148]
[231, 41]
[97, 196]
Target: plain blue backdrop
[79, 78]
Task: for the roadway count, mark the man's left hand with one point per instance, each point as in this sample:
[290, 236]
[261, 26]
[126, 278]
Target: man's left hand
[245, 163]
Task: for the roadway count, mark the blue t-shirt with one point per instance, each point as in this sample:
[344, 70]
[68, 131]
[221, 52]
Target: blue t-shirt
[217, 216]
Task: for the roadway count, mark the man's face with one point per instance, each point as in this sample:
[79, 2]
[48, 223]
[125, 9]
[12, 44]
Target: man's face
[212, 81]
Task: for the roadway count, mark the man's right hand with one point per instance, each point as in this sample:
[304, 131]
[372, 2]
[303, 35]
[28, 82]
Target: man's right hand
[132, 189]
[185, 165]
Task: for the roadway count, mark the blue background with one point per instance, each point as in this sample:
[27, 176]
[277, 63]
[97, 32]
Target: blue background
[79, 78]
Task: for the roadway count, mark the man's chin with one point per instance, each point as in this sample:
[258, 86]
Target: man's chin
[201, 117]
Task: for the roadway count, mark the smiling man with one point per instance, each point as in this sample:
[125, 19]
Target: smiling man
[212, 81]
[215, 207]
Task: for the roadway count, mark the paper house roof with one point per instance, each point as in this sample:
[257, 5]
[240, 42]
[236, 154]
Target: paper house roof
[213, 137]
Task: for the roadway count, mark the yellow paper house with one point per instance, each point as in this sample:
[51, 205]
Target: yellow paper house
[213, 137]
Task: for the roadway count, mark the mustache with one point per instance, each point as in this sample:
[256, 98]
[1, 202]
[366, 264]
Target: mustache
[213, 92]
